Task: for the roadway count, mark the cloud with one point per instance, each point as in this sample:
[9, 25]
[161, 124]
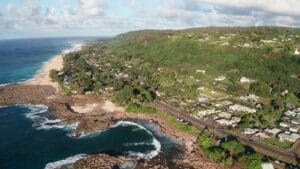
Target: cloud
[104, 17]
[92, 7]
[283, 7]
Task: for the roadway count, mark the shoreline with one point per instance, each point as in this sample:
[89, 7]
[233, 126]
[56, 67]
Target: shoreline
[42, 77]
[94, 113]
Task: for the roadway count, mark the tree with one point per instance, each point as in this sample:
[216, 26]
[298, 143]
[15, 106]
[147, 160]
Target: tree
[123, 96]
[234, 147]
[253, 161]
[205, 141]
[54, 76]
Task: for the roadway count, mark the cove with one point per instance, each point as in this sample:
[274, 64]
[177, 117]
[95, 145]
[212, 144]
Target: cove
[31, 138]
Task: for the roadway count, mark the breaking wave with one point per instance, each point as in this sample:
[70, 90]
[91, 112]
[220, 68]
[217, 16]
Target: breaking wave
[154, 142]
[5, 84]
[41, 122]
[90, 134]
[69, 160]
[75, 47]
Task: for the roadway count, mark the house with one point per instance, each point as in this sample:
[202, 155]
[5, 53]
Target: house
[294, 129]
[246, 45]
[284, 124]
[240, 108]
[224, 115]
[201, 71]
[288, 137]
[262, 135]
[290, 113]
[250, 97]
[207, 112]
[227, 103]
[236, 119]
[296, 52]
[250, 131]
[295, 121]
[226, 122]
[285, 93]
[203, 99]
[272, 132]
[245, 80]
[220, 78]
[267, 165]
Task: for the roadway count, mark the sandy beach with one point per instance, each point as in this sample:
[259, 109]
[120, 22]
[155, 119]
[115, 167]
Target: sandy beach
[43, 78]
[94, 113]
[56, 63]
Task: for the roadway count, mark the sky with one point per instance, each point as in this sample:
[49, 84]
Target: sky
[60, 18]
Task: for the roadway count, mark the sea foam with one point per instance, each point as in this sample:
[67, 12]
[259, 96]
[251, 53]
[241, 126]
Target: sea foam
[69, 160]
[41, 122]
[154, 142]
[75, 47]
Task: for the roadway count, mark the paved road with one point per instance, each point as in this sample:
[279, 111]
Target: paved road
[201, 124]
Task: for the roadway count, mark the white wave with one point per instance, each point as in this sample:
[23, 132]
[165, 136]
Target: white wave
[69, 160]
[137, 144]
[154, 142]
[75, 47]
[5, 84]
[90, 134]
[43, 123]
[3, 106]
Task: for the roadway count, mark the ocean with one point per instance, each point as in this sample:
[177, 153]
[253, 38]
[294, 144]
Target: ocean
[32, 138]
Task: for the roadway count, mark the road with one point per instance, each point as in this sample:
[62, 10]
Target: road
[260, 147]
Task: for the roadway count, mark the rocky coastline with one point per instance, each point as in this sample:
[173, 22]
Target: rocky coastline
[101, 117]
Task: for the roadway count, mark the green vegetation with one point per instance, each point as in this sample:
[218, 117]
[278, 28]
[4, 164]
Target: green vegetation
[134, 108]
[253, 161]
[275, 142]
[178, 67]
[179, 125]
[228, 152]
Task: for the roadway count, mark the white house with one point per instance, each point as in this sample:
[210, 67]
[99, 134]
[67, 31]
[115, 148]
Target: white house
[245, 80]
[201, 71]
[296, 52]
[203, 99]
[250, 97]
[227, 103]
[284, 124]
[207, 112]
[261, 135]
[294, 129]
[240, 108]
[236, 119]
[295, 121]
[226, 122]
[224, 115]
[290, 113]
[288, 137]
[220, 78]
[273, 131]
[250, 131]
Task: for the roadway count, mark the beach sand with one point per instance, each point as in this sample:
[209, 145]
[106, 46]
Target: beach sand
[56, 63]
[43, 77]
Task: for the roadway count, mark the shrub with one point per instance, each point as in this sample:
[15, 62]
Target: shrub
[253, 161]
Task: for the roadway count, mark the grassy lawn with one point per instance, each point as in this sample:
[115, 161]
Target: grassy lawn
[275, 142]
[179, 125]
[134, 108]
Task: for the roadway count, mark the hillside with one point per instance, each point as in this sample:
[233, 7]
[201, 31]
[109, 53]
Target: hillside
[202, 71]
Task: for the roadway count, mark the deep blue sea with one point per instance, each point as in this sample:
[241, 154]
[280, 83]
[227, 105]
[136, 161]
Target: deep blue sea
[32, 138]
